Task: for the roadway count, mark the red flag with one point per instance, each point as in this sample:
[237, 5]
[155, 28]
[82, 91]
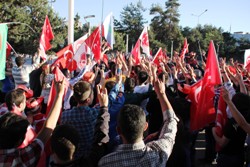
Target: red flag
[158, 57]
[221, 119]
[185, 49]
[205, 112]
[93, 41]
[65, 58]
[106, 60]
[58, 77]
[46, 37]
[8, 49]
[79, 42]
[247, 59]
[136, 52]
[145, 41]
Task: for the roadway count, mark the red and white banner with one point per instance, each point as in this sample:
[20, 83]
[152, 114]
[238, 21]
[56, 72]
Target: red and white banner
[145, 42]
[247, 59]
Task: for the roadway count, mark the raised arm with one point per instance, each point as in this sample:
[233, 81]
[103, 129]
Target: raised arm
[53, 116]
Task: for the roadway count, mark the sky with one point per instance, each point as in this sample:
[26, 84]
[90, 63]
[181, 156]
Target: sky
[231, 15]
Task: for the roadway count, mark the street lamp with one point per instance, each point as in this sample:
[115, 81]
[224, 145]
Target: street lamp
[87, 17]
[198, 16]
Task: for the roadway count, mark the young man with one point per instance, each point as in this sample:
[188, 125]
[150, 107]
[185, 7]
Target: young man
[82, 117]
[131, 125]
[13, 129]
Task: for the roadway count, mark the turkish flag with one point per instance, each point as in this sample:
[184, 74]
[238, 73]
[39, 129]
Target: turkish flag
[145, 41]
[46, 37]
[205, 111]
[184, 50]
[65, 59]
[158, 57]
[136, 52]
[93, 42]
[58, 77]
[221, 119]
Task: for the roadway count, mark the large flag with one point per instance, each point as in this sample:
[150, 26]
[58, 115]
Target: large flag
[145, 42]
[184, 50]
[3, 41]
[136, 52]
[93, 41]
[108, 29]
[247, 59]
[46, 37]
[205, 111]
[159, 56]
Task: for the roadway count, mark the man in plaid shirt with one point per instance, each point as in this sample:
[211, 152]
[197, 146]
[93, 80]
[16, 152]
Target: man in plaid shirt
[131, 125]
[12, 133]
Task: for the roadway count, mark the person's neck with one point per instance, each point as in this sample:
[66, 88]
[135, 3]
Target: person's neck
[85, 105]
[124, 141]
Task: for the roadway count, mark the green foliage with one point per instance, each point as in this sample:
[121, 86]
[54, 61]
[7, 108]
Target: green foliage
[132, 21]
[32, 13]
[120, 43]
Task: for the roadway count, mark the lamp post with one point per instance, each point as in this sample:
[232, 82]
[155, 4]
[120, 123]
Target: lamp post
[87, 17]
[198, 16]
[71, 22]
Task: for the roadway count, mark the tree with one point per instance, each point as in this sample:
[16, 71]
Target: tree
[132, 22]
[119, 41]
[32, 13]
[165, 24]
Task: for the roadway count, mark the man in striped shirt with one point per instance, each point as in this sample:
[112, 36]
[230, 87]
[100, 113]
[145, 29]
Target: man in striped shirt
[21, 72]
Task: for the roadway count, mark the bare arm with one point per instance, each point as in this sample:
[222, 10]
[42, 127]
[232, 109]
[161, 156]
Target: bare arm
[53, 116]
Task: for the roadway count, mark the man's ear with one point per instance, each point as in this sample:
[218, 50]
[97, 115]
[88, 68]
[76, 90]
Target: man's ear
[145, 126]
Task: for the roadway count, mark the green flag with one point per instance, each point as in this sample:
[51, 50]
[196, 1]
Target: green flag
[3, 41]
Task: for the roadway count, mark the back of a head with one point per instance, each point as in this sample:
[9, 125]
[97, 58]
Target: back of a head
[19, 61]
[82, 91]
[65, 72]
[142, 77]
[129, 84]
[131, 121]
[241, 102]
[12, 130]
[64, 142]
[109, 85]
[14, 97]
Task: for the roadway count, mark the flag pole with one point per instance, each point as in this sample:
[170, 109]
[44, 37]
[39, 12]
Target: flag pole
[200, 50]
[19, 23]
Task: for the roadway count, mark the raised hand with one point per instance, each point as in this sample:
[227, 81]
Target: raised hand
[102, 96]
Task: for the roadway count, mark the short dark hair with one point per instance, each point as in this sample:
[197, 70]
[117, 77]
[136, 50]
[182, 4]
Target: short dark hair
[109, 86]
[131, 121]
[64, 142]
[82, 90]
[129, 84]
[19, 61]
[241, 102]
[14, 97]
[12, 130]
[142, 76]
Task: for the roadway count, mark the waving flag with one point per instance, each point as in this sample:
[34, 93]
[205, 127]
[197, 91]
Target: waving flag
[145, 41]
[205, 111]
[158, 57]
[247, 59]
[93, 42]
[79, 42]
[80, 56]
[46, 37]
[108, 29]
[136, 52]
[184, 50]
[3, 41]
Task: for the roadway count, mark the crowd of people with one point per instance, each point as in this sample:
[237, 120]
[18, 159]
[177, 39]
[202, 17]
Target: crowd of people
[117, 113]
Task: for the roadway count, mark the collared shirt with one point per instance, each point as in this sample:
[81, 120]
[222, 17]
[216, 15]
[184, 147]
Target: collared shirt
[83, 119]
[155, 153]
[27, 156]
